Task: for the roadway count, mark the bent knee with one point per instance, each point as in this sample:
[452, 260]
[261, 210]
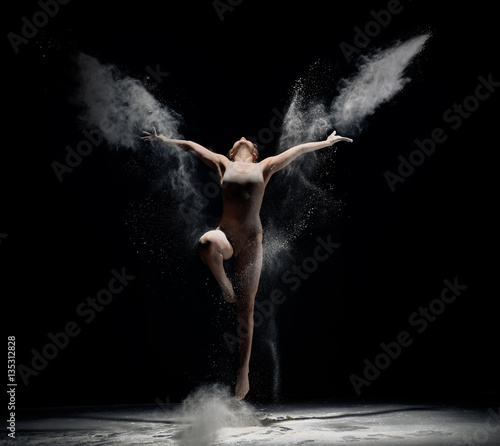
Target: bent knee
[209, 237]
[205, 246]
[204, 240]
[211, 243]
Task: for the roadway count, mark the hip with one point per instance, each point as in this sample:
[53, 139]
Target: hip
[242, 236]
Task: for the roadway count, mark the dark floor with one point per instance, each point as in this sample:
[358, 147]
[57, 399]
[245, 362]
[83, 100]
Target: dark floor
[221, 422]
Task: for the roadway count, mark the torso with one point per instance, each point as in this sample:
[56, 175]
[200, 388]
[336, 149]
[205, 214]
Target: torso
[242, 194]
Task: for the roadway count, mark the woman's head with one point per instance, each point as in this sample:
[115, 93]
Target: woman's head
[244, 150]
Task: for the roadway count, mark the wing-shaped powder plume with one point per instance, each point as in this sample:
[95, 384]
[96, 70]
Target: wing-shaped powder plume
[379, 79]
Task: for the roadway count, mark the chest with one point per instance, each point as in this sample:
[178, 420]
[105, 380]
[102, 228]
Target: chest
[242, 184]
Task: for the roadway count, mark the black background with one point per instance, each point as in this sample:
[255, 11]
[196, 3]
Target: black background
[161, 337]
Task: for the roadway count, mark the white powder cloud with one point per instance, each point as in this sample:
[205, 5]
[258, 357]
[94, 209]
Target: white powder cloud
[121, 106]
[379, 78]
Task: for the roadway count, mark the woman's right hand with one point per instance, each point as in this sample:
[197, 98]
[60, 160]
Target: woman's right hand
[150, 136]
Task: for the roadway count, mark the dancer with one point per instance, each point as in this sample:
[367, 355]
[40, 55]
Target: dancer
[243, 181]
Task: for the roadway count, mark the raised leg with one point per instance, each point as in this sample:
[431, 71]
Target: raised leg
[249, 265]
[214, 248]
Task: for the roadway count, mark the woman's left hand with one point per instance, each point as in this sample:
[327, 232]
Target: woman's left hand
[333, 138]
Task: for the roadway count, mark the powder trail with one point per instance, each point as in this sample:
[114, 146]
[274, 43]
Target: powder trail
[379, 78]
[121, 107]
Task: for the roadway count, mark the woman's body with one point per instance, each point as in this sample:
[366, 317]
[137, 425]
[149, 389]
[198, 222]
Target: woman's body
[239, 234]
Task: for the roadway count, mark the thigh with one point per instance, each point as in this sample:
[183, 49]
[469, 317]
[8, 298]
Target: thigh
[220, 241]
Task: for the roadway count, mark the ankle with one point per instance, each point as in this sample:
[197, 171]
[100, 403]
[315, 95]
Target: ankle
[244, 369]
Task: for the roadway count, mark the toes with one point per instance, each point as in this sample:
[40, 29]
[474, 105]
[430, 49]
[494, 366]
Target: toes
[228, 295]
[231, 299]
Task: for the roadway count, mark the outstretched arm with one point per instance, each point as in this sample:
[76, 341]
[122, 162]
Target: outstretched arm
[275, 163]
[212, 159]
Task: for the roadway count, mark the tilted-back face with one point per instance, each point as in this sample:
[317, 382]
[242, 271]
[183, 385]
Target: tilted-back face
[244, 145]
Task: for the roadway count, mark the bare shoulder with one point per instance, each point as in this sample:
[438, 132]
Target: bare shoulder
[267, 168]
[221, 166]
[223, 161]
[269, 164]
[265, 163]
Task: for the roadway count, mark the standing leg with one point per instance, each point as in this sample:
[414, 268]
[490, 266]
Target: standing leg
[214, 249]
[249, 265]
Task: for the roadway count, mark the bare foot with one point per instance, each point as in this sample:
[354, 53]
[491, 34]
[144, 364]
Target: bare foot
[242, 384]
[227, 291]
